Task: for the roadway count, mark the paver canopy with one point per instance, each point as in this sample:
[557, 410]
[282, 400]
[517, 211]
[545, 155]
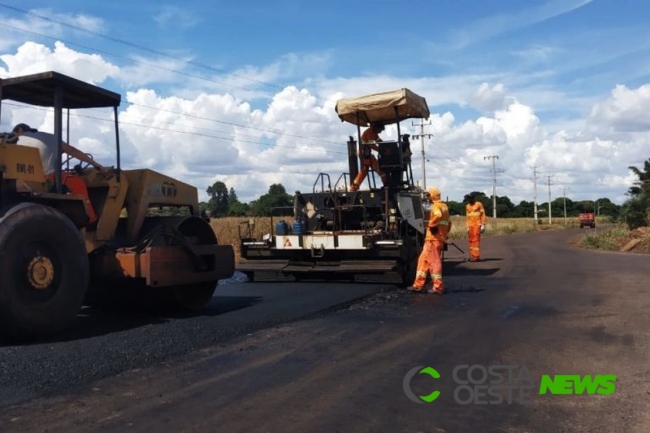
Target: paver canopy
[380, 107]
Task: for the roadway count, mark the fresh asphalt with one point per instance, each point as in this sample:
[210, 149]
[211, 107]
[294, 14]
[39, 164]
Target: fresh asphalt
[535, 301]
[105, 343]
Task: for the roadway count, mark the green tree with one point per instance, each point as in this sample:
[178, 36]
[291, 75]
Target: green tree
[636, 210]
[456, 208]
[525, 209]
[642, 185]
[276, 197]
[218, 203]
[505, 207]
[235, 207]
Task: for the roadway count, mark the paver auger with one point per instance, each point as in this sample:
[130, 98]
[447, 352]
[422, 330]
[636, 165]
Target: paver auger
[52, 257]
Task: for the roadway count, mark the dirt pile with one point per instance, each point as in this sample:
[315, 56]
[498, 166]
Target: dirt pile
[638, 241]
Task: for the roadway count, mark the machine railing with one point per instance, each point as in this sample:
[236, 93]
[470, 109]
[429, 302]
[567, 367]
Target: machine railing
[343, 177]
[321, 177]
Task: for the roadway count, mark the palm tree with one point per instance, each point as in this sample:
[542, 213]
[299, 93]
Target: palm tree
[643, 184]
[636, 211]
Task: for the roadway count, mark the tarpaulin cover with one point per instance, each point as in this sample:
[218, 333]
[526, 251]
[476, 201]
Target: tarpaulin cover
[380, 107]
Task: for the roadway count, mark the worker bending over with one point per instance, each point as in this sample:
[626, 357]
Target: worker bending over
[430, 260]
[475, 226]
[369, 140]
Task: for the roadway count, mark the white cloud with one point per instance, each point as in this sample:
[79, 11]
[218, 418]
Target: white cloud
[31, 58]
[489, 98]
[204, 136]
[176, 16]
[626, 109]
[536, 53]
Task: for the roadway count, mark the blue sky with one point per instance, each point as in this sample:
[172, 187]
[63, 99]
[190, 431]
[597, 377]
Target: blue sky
[557, 57]
[577, 47]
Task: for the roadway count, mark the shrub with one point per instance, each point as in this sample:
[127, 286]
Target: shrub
[636, 212]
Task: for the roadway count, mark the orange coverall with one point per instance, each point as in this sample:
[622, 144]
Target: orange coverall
[430, 260]
[475, 219]
[368, 139]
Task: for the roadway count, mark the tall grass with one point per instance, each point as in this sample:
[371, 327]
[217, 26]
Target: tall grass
[611, 239]
[228, 229]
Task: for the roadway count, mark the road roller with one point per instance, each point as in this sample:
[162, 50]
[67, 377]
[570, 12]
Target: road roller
[86, 233]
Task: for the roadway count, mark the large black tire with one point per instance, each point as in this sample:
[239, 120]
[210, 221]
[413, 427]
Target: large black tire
[408, 267]
[43, 269]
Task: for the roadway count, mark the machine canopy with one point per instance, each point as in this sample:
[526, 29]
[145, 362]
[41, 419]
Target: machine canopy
[380, 107]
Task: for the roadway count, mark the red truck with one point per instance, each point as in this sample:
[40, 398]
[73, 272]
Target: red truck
[587, 219]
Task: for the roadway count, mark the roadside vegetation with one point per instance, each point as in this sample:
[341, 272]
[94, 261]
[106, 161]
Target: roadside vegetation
[618, 238]
[632, 232]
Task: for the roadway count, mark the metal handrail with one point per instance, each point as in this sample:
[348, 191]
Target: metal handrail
[321, 177]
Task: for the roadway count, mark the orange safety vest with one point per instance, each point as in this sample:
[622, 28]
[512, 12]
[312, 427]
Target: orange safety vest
[439, 217]
[475, 214]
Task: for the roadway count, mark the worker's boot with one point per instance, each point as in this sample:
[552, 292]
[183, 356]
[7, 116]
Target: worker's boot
[436, 292]
[415, 289]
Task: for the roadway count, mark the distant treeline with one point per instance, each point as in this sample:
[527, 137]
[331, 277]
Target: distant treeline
[224, 202]
[635, 212]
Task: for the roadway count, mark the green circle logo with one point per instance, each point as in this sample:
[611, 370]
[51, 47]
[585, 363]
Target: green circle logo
[407, 384]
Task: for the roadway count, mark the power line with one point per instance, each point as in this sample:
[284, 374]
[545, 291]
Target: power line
[231, 139]
[186, 74]
[494, 183]
[176, 71]
[163, 68]
[276, 131]
[421, 136]
[134, 45]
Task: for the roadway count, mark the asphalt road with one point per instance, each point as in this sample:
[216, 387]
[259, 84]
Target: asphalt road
[103, 343]
[536, 301]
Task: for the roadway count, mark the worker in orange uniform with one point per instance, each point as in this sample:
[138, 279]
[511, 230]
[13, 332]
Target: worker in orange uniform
[369, 140]
[430, 260]
[475, 226]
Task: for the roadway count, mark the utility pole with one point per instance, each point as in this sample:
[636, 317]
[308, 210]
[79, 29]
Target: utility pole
[549, 199]
[494, 183]
[421, 136]
[535, 194]
[564, 194]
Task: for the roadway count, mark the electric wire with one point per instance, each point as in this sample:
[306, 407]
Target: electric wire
[230, 139]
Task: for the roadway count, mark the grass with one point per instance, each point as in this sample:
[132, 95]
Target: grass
[609, 240]
[616, 238]
[227, 229]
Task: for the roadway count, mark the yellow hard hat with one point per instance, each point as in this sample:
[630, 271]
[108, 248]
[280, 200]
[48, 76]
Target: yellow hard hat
[434, 192]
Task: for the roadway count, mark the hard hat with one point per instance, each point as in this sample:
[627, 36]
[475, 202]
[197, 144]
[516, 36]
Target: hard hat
[434, 192]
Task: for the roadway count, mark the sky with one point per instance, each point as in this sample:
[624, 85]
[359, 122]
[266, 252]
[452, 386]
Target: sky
[245, 93]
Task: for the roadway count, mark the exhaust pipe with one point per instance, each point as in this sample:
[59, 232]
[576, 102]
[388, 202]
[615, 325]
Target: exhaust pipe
[353, 159]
